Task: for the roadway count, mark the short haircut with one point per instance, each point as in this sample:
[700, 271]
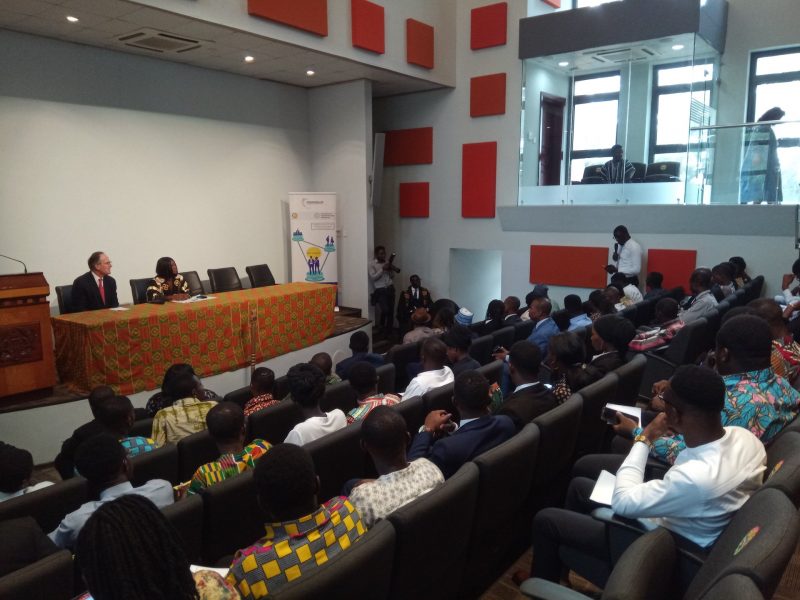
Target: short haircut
[471, 390]
[567, 348]
[562, 319]
[286, 481]
[616, 331]
[701, 277]
[616, 147]
[668, 308]
[767, 309]
[225, 421]
[572, 302]
[384, 430]
[748, 339]
[513, 303]
[16, 467]
[114, 414]
[698, 387]
[434, 350]
[543, 304]
[359, 342]
[323, 361]
[654, 279]
[457, 336]
[621, 229]
[98, 395]
[725, 268]
[164, 267]
[99, 459]
[306, 384]
[738, 262]
[183, 386]
[619, 278]
[94, 258]
[363, 377]
[263, 380]
[526, 358]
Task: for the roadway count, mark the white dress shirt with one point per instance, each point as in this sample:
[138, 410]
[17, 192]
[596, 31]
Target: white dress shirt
[380, 277]
[428, 380]
[316, 427]
[630, 258]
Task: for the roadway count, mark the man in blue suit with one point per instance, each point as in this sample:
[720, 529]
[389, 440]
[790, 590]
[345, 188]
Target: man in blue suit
[478, 431]
[545, 327]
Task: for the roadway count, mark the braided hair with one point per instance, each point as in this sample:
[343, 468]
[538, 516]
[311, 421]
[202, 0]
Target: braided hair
[127, 550]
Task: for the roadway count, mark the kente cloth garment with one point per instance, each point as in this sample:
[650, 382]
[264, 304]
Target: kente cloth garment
[257, 403]
[367, 405]
[228, 465]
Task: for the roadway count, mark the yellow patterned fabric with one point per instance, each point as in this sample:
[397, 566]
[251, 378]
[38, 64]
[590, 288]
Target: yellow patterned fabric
[292, 548]
[184, 417]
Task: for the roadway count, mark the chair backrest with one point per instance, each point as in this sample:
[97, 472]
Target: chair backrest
[639, 171]
[645, 569]
[400, 356]
[592, 174]
[630, 378]
[592, 429]
[493, 371]
[783, 466]
[754, 288]
[192, 279]
[481, 349]
[50, 578]
[161, 463]
[239, 396]
[440, 398]
[629, 313]
[758, 542]
[275, 422]
[364, 571]
[281, 389]
[338, 457]
[413, 411]
[186, 516]
[523, 330]
[193, 451]
[663, 171]
[49, 505]
[64, 295]
[339, 395]
[504, 337]
[225, 279]
[260, 275]
[736, 586]
[142, 427]
[386, 378]
[139, 289]
[645, 311]
[435, 524]
[558, 431]
[688, 343]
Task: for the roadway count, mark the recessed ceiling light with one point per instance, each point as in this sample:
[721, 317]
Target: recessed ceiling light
[678, 47]
[563, 63]
[310, 72]
[72, 19]
[249, 58]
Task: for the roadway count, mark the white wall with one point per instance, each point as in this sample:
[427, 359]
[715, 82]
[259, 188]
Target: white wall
[538, 80]
[483, 283]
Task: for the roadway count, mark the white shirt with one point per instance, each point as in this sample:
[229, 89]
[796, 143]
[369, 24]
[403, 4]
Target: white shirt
[315, 427]
[700, 493]
[379, 277]
[633, 293]
[428, 380]
[27, 490]
[630, 258]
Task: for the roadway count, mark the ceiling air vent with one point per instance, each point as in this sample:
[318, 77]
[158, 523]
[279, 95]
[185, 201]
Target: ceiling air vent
[159, 42]
[621, 55]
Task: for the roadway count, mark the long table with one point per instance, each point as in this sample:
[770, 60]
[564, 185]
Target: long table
[130, 350]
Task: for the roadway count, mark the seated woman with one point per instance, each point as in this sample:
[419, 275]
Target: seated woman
[566, 354]
[610, 338]
[169, 394]
[168, 284]
[495, 313]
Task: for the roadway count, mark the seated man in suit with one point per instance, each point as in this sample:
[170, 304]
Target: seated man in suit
[307, 386]
[359, 346]
[301, 533]
[96, 289]
[434, 371]
[511, 314]
[530, 397]
[539, 312]
[413, 297]
[458, 340]
[478, 431]
[64, 462]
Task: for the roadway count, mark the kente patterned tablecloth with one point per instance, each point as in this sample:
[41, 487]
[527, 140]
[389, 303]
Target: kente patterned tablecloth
[130, 350]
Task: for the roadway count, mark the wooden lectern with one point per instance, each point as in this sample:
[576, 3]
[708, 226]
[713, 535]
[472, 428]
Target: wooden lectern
[26, 338]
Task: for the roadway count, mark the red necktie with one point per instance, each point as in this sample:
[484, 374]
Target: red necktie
[102, 290]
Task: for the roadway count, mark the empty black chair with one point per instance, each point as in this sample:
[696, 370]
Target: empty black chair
[260, 276]
[338, 457]
[435, 524]
[523, 330]
[663, 171]
[413, 411]
[192, 279]
[339, 395]
[161, 463]
[281, 389]
[400, 356]
[50, 578]
[492, 371]
[593, 174]
[386, 378]
[239, 396]
[225, 279]
[64, 295]
[440, 398]
[49, 505]
[139, 289]
[142, 427]
[275, 422]
[195, 450]
[630, 379]
[364, 571]
[481, 349]
[640, 169]
[504, 337]
[186, 516]
[754, 288]
[592, 429]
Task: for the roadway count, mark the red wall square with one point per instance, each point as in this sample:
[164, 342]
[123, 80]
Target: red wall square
[308, 15]
[487, 95]
[675, 265]
[415, 199]
[478, 180]
[419, 44]
[408, 147]
[571, 266]
[488, 26]
[368, 26]
[553, 3]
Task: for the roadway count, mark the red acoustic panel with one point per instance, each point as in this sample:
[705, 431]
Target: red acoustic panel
[408, 147]
[553, 3]
[478, 180]
[487, 95]
[570, 266]
[488, 26]
[367, 25]
[675, 265]
[415, 199]
[308, 15]
[419, 44]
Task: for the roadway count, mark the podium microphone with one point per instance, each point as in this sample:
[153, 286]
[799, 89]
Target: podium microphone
[16, 260]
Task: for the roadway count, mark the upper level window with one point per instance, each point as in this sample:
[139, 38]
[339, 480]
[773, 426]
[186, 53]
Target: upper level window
[594, 121]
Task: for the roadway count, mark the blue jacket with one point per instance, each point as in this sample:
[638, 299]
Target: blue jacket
[541, 335]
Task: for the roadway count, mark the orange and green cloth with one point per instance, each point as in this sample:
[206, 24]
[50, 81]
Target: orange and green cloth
[228, 465]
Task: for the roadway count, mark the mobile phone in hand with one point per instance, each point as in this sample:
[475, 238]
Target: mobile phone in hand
[610, 416]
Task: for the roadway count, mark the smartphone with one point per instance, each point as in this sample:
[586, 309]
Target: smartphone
[610, 416]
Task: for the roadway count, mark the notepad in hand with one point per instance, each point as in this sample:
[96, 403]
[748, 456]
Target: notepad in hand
[603, 490]
[609, 414]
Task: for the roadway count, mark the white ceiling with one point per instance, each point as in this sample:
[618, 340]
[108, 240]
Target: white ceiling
[101, 22]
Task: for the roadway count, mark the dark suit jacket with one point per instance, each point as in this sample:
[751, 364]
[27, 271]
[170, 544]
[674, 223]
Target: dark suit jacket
[511, 320]
[450, 452]
[86, 294]
[343, 368]
[527, 404]
[607, 362]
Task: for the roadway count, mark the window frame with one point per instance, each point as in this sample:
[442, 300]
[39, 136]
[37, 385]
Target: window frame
[755, 80]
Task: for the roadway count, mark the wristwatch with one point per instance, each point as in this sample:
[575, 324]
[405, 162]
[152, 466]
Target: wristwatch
[643, 438]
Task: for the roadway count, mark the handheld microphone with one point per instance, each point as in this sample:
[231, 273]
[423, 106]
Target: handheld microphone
[16, 260]
[615, 256]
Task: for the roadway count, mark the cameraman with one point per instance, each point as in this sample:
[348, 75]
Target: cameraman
[381, 274]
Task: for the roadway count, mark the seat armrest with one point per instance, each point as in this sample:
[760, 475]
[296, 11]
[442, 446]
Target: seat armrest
[607, 516]
[542, 589]
[660, 359]
[621, 532]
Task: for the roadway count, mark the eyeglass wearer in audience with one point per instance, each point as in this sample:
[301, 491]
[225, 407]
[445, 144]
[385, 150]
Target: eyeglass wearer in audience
[65, 461]
[530, 397]
[168, 284]
[359, 346]
[16, 470]
[307, 386]
[168, 395]
[539, 312]
[702, 300]
[186, 415]
[435, 373]
[364, 380]
[298, 527]
[116, 416]
[262, 383]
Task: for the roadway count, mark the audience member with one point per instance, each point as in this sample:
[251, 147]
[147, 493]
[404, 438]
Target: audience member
[722, 278]
[538, 291]
[577, 314]
[610, 338]
[298, 527]
[116, 417]
[478, 431]
[95, 289]
[618, 169]
[458, 340]
[384, 437]
[435, 373]
[168, 284]
[464, 316]
[24, 543]
[530, 397]
[128, 549]
[420, 319]
[614, 294]
[600, 305]
[412, 298]
[702, 300]
[226, 425]
[262, 384]
[104, 463]
[364, 380]
[711, 480]
[186, 415]
[65, 461]
[667, 325]
[630, 293]
[562, 319]
[539, 312]
[307, 386]
[444, 319]
[791, 292]
[511, 311]
[495, 318]
[785, 359]
[359, 346]
[741, 277]
[168, 395]
[653, 283]
[16, 469]
[324, 361]
[566, 358]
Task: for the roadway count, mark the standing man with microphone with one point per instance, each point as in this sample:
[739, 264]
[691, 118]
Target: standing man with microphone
[381, 274]
[627, 256]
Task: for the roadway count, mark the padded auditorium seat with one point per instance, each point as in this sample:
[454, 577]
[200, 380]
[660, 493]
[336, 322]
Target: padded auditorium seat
[503, 337]
[593, 428]
[338, 457]
[481, 349]
[275, 422]
[413, 411]
[523, 330]
[239, 396]
[400, 356]
[339, 395]
[64, 295]
[492, 371]
[48, 579]
[667, 170]
[386, 379]
[260, 275]
[593, 174]
[139, 289]
[161, 463]
[630, 378]
[49, 505]
[195, 450]
[783, 466]
[186, 516]
[142, 427]
[225, 279]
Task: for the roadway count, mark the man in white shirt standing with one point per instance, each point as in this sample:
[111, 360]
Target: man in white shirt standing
[307, 386]
[434, 372]
[381, 275]
[626, 257]
[710, 480]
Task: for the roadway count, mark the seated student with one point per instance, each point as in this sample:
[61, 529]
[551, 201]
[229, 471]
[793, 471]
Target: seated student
[545, 328]
[104, 463]
[187, 415]
[562, 320]
[495, 318]
[630, 293]
[599, 305]
[740, 277]
[262, 382]
[511, 311]
[566, 358]
[324, 361]
[168, 395]
[722, 278]
[364, 380]
[610, 338]
[443, 320]
[128, 549]
[16, 469]
[420, 322]
[226, 425]
[434, 373]
[384, 437]
[478, 431]
[530, 397]
[307, 386]
[116, 416]
[667, 325]
[702, 300]
[785, 360]
[716, 474]
[359, 345]
[65, 461]
[458, 340]
[577, 315]
[652, 284]
[301, 533]
[538, 291]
